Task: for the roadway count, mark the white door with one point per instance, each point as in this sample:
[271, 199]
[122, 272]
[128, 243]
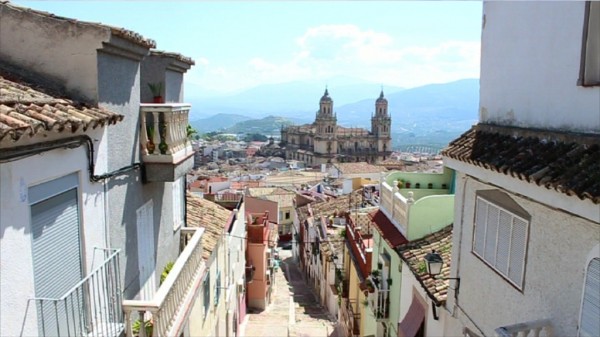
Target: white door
[145, 236]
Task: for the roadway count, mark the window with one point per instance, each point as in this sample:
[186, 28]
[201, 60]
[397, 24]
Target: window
[287, 215]
[218, 288]
[589, 325]
[206, 287]
[500, 239]
[589, 74]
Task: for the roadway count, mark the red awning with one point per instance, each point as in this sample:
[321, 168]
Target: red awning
[413, 319]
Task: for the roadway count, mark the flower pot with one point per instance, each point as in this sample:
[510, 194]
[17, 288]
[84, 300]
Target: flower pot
[157, 99]
[150, 147]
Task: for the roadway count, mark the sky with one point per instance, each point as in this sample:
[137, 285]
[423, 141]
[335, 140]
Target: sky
[242, 44]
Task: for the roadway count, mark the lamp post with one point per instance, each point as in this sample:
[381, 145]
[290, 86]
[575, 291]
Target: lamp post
[434, 266]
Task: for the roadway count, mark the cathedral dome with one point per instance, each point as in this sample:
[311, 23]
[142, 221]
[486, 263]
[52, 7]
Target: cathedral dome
[326, 97]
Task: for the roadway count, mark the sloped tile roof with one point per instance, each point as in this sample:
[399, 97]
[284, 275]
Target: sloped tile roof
[413, 253]
[282, 196]
[26, 111]
[566, 162]
[386, 229]
[361, 167]
[176, 56]
[209, 215]
[116, 31]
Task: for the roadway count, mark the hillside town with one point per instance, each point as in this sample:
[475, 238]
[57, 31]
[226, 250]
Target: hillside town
[116, 221]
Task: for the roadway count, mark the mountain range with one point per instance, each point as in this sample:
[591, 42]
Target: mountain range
[429, 115]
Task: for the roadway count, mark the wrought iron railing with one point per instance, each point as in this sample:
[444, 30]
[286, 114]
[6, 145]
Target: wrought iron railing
[165, 314]
[91, 308]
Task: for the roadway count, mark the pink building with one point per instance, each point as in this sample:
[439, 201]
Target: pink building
[261, 240]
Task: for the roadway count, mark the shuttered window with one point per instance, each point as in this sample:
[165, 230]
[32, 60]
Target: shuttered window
[56, 250]
[500, 239]
[590, 306]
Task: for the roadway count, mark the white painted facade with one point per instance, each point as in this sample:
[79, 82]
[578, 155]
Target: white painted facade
[530, 66]
[557, 250]
[530, 60]
[16, 177]
[410, 287]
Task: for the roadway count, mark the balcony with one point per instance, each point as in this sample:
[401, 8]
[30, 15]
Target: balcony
[378, 299]
[166, 152]
[167, 312]
[360, 246]
[91, 308]
[527, 329]
[350, 320]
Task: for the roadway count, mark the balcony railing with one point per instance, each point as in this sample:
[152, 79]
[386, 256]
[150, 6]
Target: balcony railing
[91, 308]
[379, 300]
[163, 134]
[349, 319]
[167, 312]
[528, 329]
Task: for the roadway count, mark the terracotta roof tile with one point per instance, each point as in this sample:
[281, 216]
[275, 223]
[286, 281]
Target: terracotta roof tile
[209, 215]
[25, 111]
[386, 229]
[176, 56]
[566, 162]
[361, 167]
[413, 253]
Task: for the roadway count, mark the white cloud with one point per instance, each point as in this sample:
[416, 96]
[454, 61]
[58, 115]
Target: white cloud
[332, 50]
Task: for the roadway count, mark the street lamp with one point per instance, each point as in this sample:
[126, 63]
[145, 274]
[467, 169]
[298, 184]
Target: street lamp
[434, 266]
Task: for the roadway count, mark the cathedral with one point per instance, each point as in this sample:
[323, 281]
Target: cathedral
[324, 141]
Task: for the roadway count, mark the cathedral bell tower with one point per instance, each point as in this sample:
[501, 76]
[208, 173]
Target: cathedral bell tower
[381, 123]
[326, 120]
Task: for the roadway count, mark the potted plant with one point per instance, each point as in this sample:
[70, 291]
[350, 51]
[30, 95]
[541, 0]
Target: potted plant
[137, 325]
[407, 184]
[430, 186]
[156, 89]
[418, 185]
[150, 146]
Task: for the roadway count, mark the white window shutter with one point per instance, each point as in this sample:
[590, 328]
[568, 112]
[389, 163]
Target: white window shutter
[480, 217]
[503, 249]
[518, 244]
[491, 235]
[590, 308]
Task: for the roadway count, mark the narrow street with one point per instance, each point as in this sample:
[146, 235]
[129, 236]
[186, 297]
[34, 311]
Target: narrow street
[294, 311]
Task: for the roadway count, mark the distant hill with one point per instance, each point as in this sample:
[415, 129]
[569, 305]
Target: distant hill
[292, 99]
[269, 125]
[217, 122]
[431, 115]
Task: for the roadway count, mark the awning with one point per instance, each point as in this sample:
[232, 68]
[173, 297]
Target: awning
[413, 319]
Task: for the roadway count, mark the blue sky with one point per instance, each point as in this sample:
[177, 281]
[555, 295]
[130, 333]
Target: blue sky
[241, 44]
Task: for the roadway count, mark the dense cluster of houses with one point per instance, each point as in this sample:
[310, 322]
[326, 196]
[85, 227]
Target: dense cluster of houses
[104, 233]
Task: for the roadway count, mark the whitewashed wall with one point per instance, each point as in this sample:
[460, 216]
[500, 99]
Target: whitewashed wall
[530, 60]
[16, 283]
[558, 247]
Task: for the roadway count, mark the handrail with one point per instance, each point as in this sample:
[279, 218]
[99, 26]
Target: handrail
[92, 307]
[523, 329]
[166, 307]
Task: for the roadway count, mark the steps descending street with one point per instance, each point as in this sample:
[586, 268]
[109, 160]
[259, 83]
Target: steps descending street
[294, 311]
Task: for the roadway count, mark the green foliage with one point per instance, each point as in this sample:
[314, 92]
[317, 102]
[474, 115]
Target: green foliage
[138, 324]
[191, 132]
[166, 271]
[422, 267]
[214, 135]
[255, 137]
[156, 88]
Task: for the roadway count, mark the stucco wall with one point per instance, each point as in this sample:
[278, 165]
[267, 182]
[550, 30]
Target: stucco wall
[430, 214]
[558, 247]
[119, 90]
[395, 274]
[540, 42]
[411, 287]
[43, 45]
[16, 283]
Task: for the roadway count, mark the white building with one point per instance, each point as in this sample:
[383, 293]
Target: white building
[527, 221]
